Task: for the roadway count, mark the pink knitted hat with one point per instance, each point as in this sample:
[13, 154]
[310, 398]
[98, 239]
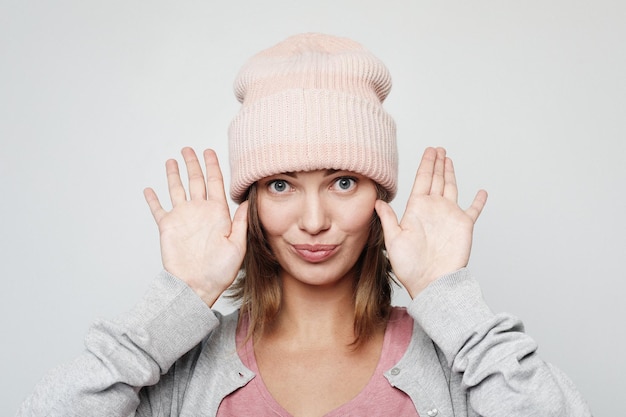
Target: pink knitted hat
[312, 102]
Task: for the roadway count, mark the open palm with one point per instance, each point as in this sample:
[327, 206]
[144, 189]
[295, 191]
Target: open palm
[199, 242]
[434, 236]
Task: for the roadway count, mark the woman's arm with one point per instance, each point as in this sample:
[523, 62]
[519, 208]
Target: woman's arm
[429, 250]
[492, 360]
[202, 251]
[125, 354]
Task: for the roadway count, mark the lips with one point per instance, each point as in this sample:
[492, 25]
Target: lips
[315, 253]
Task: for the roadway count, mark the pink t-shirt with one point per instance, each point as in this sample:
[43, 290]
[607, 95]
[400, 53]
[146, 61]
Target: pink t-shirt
[378, 398]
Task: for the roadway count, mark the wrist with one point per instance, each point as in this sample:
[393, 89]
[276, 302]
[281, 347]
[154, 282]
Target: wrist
[416, 286]
[208, 293]
[209, 296]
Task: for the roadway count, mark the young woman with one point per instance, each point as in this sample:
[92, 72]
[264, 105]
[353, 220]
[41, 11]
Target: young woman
[309, 254]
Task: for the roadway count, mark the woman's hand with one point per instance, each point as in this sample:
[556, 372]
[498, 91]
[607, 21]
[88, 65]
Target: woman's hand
[199, 242]
[434, 236]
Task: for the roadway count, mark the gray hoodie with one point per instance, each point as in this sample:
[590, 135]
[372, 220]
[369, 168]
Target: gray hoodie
[173, 356]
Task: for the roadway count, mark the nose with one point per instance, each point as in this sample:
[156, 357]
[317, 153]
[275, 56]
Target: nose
[315, 216]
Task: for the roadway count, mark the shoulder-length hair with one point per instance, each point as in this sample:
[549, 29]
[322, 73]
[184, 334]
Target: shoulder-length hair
[259, 291]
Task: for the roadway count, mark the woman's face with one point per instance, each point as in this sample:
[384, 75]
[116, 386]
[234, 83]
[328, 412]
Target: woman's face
[317, 222]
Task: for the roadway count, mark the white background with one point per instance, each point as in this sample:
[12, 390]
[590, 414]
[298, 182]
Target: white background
[529, 97]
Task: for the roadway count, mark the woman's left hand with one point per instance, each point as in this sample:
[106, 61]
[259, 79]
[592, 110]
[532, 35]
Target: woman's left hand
[434, 236]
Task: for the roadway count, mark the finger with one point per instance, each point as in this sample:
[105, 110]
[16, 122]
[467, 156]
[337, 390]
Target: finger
[239, 228]
[388, 220]
[450, 190]
[477, 205]
[153, 202]
[214, 179]
[197, 187]
[174, 184]
[438, 183]
[424, 175]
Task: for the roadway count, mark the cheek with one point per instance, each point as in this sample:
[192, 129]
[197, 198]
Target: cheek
[273, 217]
[356, 221]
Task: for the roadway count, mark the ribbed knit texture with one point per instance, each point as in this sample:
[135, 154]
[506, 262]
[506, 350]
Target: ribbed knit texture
[312, 102]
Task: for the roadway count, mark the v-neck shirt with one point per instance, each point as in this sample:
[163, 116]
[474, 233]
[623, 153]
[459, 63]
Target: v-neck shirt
[377, 398]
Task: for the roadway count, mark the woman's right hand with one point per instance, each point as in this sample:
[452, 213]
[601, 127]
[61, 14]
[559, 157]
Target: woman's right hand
[199, 243]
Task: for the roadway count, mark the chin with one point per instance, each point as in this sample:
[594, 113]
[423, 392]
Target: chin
[318, 275]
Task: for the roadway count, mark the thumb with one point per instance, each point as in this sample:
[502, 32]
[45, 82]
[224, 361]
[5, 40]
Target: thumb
[477, 205]
[388, 219]
[239, 227]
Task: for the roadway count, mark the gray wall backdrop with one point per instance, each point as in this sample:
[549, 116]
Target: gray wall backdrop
[529, 97]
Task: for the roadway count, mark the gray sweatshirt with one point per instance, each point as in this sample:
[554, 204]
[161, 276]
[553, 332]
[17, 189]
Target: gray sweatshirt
[173, 356]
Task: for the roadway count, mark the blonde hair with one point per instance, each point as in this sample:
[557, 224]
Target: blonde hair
[259, 291]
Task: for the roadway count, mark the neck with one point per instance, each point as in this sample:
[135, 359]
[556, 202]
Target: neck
[315, 315]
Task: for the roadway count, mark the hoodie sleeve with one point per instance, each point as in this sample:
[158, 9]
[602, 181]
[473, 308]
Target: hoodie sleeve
[123, 355]
[496, 362]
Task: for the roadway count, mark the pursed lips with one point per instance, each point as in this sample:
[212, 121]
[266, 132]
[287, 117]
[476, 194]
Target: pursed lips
[315, 253]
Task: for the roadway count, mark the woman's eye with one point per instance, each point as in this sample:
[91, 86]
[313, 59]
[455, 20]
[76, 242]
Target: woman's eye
[278, 186]
[345, 183]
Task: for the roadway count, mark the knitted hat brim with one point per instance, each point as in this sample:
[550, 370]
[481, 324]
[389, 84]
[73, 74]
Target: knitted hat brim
[306, 130]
